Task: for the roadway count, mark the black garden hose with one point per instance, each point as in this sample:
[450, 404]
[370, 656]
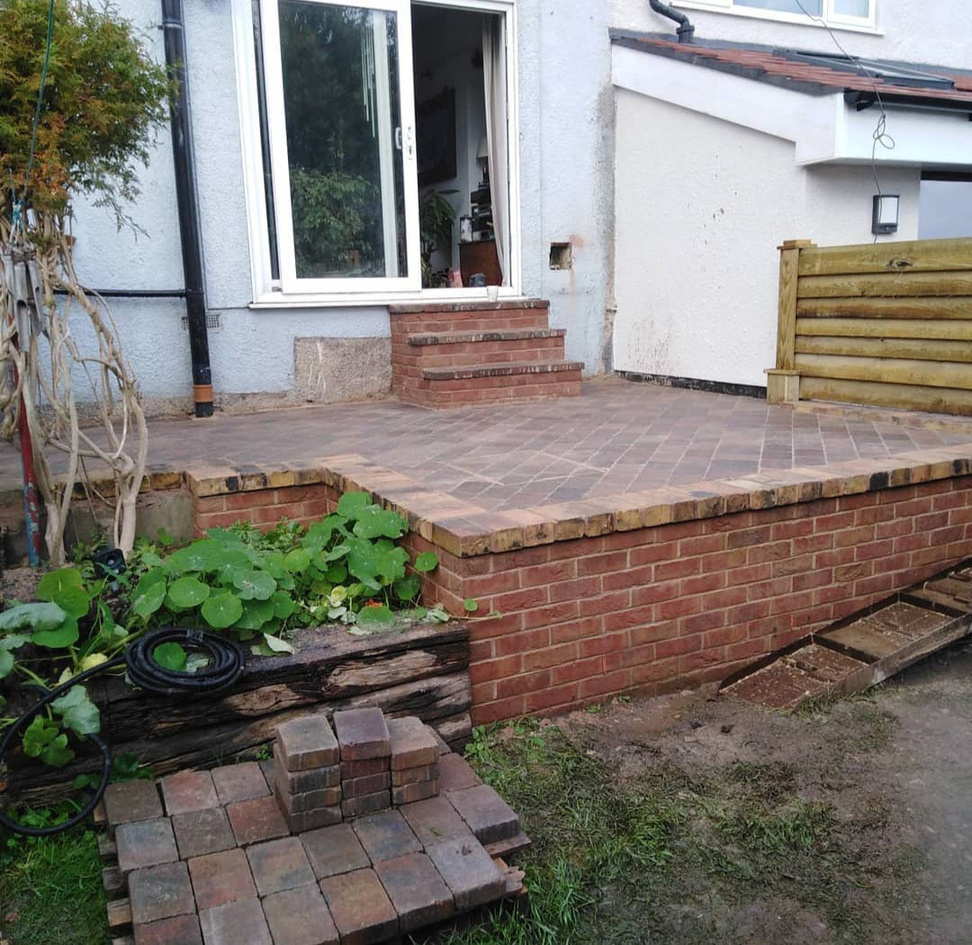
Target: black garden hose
[224, 668]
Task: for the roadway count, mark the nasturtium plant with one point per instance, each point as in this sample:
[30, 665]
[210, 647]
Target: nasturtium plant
[346, 567]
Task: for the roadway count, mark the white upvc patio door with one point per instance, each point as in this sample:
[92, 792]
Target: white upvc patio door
[340, 115]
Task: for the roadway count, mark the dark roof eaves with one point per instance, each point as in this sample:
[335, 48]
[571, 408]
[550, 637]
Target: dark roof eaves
[729, 68]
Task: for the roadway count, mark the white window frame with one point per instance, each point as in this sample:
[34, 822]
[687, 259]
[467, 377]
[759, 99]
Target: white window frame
[270, 293]
[828, 17]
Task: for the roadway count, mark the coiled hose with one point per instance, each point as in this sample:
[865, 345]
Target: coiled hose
[224, 668]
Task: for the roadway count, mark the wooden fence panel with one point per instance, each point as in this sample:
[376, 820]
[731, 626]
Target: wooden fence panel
[887, 325]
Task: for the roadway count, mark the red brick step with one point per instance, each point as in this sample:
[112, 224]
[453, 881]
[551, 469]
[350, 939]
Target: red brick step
[500, 369]
[464, 337]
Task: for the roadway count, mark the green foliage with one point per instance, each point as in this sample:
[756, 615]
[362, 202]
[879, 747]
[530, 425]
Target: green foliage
[436, 217]
[50, 887]
[336, 218]
[344, 568]
[72, 629]
[257, 587]
[103, 99]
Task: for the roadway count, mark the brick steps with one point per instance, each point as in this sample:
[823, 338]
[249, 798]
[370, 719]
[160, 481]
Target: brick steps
[464, 353]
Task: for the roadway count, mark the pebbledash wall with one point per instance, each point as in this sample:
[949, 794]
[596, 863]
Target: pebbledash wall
[660, 597]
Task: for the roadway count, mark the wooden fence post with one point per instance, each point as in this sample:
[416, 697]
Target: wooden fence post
[783, 381]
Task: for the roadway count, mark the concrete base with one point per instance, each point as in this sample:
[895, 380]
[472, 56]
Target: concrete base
[334, 370]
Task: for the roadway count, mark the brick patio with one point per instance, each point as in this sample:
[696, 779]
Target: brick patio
[635, 538]
[207, 857]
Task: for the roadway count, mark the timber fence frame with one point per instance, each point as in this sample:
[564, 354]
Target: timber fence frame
[887, 324]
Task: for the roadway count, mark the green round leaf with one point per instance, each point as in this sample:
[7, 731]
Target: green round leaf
[375, 616]
[202, 555]
[407, 588]
[187, 592]
[149, 594]
[391, 564]
[283, 605]
[351, 503]
[65, 635]
[222, 610]
[32, 617]
[170, 656]
[426, 561]
[74, 601]
[298, 560]
[78, 712]
[57, 754]
[470, 606]
[254, 585]
[57, 581]
[255, 614]
[6, 663]
[375, 522]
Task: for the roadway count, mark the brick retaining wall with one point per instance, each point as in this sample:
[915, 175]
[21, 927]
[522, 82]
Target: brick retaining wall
[656, 609]
[648, 609]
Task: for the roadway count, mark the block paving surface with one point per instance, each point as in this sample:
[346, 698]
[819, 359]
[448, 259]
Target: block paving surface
[619, 437]
[208, 859]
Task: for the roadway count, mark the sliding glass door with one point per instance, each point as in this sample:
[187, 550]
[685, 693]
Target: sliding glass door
[341, 127]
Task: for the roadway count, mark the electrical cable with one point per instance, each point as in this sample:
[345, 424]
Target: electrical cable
[224, 667]
[880, 134]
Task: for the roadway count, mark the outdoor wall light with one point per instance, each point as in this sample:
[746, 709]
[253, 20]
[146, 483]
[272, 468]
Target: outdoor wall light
[885, 217]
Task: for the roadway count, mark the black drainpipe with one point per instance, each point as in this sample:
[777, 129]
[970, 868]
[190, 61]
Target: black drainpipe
[189, 233]
[685, 30]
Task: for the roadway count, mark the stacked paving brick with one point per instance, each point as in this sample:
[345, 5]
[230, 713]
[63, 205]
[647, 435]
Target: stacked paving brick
[307, 774]
[253, 854]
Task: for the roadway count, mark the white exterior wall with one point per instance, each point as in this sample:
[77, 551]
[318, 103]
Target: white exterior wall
[567, 167]
[701, 206]
[566, 110]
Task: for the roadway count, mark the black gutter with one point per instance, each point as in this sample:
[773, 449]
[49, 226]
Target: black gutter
[685, 30]
[173, 29]
[861, 100]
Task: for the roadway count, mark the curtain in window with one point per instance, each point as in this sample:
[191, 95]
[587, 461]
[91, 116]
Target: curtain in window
[497, 144]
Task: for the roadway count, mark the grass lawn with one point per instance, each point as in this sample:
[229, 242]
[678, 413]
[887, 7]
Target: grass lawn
[50, 890]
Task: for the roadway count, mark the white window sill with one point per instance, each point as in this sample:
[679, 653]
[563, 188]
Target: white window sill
[777, 16]
[278, 300]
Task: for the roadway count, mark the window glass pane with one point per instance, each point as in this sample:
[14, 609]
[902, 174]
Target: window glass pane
[341, 101]
[813, 7]
[852, 8]
[944, 209]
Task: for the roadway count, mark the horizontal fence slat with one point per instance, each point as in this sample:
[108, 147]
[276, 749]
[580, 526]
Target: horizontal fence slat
[885, 328]
[911, 256]
[938, 308]
[907, 397]
[920, 349]
[887, 285]
[885, 370]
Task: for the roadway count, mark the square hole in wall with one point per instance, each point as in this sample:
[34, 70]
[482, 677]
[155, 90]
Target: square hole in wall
[561, 256]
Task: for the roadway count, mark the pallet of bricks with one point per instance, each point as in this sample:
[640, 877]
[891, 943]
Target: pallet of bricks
[350, 836]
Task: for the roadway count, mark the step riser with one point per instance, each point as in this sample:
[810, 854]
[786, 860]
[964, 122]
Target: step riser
[478, 352]
[493, 390]
[414, 323]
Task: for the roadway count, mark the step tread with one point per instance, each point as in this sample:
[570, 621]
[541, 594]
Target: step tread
[500, 369]
[425, 338]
